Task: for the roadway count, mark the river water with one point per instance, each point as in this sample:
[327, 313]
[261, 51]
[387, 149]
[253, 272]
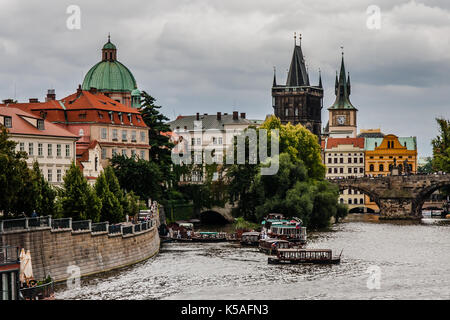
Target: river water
[410, 261]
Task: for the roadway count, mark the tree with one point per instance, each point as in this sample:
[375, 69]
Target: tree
[78, 199]
[298, 189]
[142, 177]
[160, 145]
[18, 190]
[45, 200]
[441, 147]
[111, 209]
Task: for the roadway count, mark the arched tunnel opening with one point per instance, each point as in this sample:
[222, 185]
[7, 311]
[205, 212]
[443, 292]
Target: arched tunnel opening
[212, 218]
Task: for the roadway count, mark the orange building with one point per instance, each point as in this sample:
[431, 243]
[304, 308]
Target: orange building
[382, 154]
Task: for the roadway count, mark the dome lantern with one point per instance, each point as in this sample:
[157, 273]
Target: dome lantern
[109, 51]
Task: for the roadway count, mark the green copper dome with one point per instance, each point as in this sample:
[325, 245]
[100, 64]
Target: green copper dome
[109, 45]
[109, 75]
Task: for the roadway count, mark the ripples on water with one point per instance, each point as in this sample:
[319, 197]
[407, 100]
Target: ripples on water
[414, 261]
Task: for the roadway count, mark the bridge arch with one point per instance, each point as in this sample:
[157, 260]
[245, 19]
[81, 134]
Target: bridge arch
[349, 185]
[426, 193]
[212, 217]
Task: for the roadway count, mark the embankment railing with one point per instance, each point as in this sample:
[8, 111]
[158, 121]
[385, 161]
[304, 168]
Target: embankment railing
[68, 224]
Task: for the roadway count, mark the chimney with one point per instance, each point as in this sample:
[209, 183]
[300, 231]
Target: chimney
[33, 100]
[50, 95]
[79, 90]
[219, 116]
[197, 117]
[93, 90]
[243, 115]
[235, 115]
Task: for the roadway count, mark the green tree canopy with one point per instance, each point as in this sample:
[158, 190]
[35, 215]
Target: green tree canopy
[441, 147]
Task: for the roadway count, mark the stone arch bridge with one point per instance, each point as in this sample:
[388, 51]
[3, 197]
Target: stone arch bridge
[398, 197]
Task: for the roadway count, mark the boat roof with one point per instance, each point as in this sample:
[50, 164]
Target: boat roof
[304, 250]
[251, 233]
[290, 226]
[275, 240]
[208, 232]
[276, 221]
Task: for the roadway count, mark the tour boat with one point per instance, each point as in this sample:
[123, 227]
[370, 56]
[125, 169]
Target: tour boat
[297, 256]
[250, 238]
[209, 237]
[271, 246]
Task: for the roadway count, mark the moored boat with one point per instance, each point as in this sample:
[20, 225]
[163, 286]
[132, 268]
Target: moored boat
[209, 237]
[250, 238]
[297, 256]
[271, 246]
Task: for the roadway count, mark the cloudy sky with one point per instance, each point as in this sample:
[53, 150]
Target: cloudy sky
[218, 55]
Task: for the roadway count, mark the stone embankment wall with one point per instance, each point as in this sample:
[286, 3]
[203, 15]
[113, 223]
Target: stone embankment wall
[55, 251]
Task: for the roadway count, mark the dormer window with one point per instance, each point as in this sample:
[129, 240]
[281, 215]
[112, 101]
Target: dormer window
[120, 117]
[130, 119]
[40, 124]
[111, 116]
[8, 122]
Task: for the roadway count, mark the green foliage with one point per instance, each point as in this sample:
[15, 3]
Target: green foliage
[78, 199]
[142, 177]
[426, 168]
[241, 224]
[45, 193]
[441, 147]
[160, 145]
[111, 209]
[19, 192]
[298, 189]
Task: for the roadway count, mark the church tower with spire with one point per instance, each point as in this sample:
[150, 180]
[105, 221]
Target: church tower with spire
[342, 114]
[298, 101]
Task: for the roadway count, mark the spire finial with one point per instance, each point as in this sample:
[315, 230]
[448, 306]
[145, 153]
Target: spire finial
[295, 38]
[342, 50]
[300, 36]
[109, 37]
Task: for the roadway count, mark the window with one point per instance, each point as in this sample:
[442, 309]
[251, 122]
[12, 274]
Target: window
[361, 160]
[49, 175]
[103, 133]
[335, 170]
[296, 111]
[129, 119]
[67, 150]
[111, 116]
[114, 132]
[361, 170]
[124, 152]
[349, 160]
[114, 152]
[22, 146]
[142, 135]
[329, 170]
[103, 153]
[381, 168]
[30, 149]
[133, 153]
[371, 167]
[355, 170]
[335, 160]
[40, 152]
[58, 150]
[341, 160]
[220, 140]
[329, 160]
[8, 122]
[40, 124]
[58, 175]
[286, 112]
[361, 201]
[214, 140]
[124, 135]
[81, 132]
[355, 201]
[349, 201]
[341, 170]
[142, 154]
[49, 150]
[120, 115]
[133, 136]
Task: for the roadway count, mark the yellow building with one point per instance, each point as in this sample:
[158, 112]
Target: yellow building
[382, 154]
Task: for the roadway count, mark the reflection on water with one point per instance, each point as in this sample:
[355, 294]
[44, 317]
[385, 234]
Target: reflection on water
[414, 261]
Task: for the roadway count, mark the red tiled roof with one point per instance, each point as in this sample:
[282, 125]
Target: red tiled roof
[334, 142]
[22, 126]
[84, 107]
